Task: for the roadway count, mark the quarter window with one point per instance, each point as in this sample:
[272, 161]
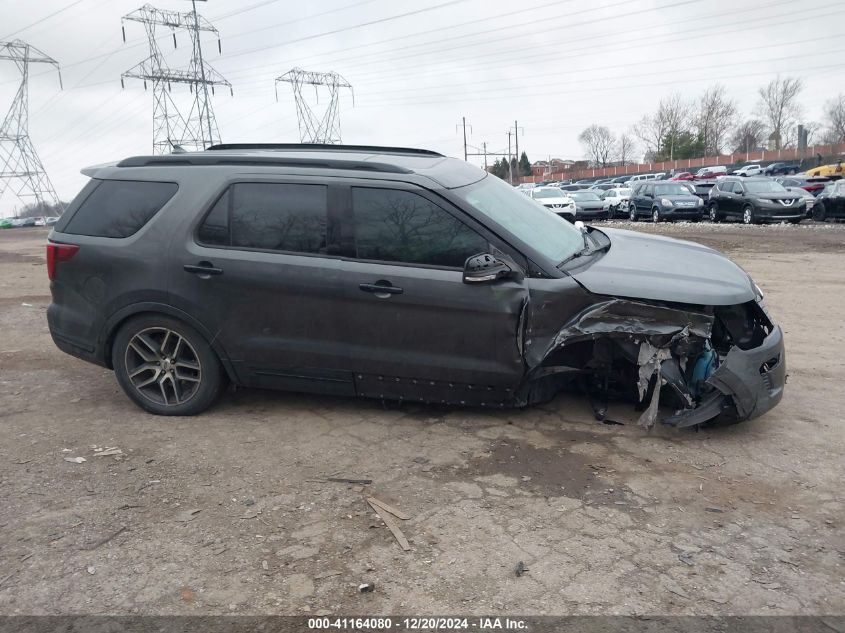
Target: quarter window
[269, 216]
[401, 226]
[119, 208]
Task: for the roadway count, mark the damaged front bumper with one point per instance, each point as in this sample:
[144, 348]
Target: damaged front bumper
[747, 384]
[706, 363]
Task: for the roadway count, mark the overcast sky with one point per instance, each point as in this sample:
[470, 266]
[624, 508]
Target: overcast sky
[556, 67]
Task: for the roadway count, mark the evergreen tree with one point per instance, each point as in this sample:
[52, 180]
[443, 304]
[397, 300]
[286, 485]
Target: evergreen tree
[524, 165]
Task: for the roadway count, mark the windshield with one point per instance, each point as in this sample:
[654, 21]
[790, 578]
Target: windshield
[529, 221]
[764, 186]
[551, 192]
[623, 192]
[583, 195]
[671, 190]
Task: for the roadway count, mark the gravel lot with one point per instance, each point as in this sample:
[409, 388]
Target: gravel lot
[230, 512]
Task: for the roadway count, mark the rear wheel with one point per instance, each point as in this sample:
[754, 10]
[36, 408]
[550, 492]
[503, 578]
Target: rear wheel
[632, 213]
[165, 366]
[713, 211]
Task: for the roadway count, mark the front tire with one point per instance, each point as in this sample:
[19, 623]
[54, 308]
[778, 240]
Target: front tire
[819, 213]
[632, 213]
[655, 215]
[748, 215]
[165, 366]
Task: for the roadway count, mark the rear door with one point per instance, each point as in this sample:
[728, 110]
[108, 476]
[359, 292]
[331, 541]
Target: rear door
[262, 273]
[413, 328]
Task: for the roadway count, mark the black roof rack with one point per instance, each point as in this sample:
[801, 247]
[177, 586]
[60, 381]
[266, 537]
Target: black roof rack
[324, 147]
[198, 158]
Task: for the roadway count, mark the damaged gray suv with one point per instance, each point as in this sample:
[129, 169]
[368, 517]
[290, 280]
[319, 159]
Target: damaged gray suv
[395, 274]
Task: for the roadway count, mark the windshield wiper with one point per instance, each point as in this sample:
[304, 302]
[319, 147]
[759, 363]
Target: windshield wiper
[590, 247]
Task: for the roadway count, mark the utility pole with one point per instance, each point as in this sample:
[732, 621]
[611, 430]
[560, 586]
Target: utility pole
[463, 124]
[484, 145]
[325, 130]
[510, 164]
[171, 127]
[516, 129]
[18, 159]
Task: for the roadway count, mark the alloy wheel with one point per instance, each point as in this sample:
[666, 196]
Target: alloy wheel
[655, 216]
[747, 217]
[163, 366]
[632, 213]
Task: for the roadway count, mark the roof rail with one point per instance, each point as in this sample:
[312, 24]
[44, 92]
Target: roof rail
[193, 159]
[324, 147]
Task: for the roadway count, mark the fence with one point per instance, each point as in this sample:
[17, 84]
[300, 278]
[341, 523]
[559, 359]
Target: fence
[828, 152]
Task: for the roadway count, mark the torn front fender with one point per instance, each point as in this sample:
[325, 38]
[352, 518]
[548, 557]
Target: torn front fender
[634, 319]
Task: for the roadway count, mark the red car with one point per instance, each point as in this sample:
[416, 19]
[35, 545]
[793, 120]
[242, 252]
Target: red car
[684, 175]
[706, 173]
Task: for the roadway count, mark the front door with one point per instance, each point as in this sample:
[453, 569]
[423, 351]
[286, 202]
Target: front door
[415, 330]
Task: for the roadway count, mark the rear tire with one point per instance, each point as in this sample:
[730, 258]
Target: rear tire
[713, 211]
[165, 366]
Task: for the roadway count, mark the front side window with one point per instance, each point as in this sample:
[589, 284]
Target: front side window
[269, 216]
[119, 208]
[401, 226]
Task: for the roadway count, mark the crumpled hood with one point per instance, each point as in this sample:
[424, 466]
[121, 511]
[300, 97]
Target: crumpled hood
[658, 268]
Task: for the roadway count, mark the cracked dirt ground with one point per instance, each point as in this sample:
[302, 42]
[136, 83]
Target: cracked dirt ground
[227, 513]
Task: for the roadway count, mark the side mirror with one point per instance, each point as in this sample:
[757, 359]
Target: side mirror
[484, 267]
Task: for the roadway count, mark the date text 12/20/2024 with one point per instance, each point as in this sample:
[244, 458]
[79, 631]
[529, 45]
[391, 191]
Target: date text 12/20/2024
[417, 624]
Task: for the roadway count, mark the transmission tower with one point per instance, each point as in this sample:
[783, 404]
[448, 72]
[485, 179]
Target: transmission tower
[314, 129]
[171, 127]
[19, 162]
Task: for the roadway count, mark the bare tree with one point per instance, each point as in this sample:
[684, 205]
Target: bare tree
[834, 119]
[780, 108]
[651, 131]
[714, 115]
[598, 142]
[625, 148]
[748, 135]
[675, 113]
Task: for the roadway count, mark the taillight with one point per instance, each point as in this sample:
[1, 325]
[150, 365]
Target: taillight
[58, 253]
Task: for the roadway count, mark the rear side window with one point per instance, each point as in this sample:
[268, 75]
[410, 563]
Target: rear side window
[119, 208]
[401, 226]
[269, 216]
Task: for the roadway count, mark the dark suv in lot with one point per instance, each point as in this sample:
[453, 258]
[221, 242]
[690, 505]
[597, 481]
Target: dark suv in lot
[665, 201]
[393, 274]
[754, 200]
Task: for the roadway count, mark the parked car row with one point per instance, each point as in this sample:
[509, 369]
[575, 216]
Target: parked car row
[16, 223]
[749, 199]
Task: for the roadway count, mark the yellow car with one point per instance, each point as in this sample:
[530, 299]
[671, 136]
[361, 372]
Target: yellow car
[827, 171]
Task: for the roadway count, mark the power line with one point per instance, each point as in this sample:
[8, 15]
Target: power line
[350, 28]
[45, 18]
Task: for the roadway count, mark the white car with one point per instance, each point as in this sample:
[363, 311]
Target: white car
[749, 170]
[555, 200]
[525, 187]
[616, 200]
